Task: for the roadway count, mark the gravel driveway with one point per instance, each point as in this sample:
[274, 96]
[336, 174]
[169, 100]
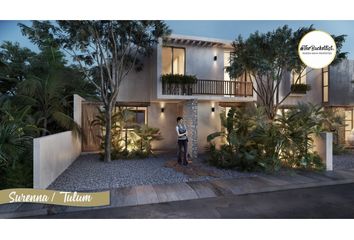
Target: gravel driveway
[89, 173]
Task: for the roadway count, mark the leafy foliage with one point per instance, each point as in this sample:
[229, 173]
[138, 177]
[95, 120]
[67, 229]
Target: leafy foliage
[300, 88]
[178, 78]
[129, 140]
[267, 57]
[110, 48]
[252, 142]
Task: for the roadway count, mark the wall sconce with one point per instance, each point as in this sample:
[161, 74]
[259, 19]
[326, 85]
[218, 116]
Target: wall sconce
[213, 109]
[215, 58]
[162, 110]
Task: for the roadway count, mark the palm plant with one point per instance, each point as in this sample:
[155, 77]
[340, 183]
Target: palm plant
[147, 135]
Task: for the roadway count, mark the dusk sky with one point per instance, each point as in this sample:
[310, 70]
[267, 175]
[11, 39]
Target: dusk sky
[228, 30]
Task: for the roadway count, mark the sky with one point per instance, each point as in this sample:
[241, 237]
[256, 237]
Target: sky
[227, 30]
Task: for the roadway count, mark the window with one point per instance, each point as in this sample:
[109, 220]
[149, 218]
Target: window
[348, 122]
[173, 60]
[136, 115]
[295, 77]
[325, 84]
[227, 55]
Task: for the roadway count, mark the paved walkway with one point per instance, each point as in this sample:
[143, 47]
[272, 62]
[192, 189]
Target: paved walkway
[158, 193]
[336, 201]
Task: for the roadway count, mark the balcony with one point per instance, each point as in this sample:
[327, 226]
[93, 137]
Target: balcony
[210, 87]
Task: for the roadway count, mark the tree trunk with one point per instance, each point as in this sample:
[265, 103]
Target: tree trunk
[45, 124]
[108, 136]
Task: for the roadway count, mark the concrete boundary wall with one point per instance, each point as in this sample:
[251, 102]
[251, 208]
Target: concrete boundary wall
[323, 144]
[52, 155]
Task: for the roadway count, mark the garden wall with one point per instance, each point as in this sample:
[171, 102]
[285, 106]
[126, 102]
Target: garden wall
[323, 144]
[52, 155]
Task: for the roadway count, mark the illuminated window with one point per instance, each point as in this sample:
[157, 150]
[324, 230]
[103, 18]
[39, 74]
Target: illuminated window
[173, 60]
[227, 55]
[325, 84]
[296, 79]
[348, 122]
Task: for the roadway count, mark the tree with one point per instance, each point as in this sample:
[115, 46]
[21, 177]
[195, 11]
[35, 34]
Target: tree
[266, 58]
[114, 47]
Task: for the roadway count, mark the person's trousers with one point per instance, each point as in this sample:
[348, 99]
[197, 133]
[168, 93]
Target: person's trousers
[182, 144]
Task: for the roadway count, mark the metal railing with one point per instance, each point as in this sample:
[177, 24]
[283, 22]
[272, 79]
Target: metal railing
[210, 87]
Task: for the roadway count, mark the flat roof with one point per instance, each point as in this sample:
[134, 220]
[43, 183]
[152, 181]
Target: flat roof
[197, 41]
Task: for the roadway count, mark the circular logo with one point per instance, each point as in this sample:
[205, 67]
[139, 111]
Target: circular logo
[317, 49]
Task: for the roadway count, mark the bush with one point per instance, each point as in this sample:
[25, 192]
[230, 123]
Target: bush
[129, 140]
[252, 142]
[300, 88]
[179, 78]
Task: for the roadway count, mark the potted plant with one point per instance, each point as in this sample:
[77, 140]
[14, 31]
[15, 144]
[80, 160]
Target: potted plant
[300, 88]
[184, 82]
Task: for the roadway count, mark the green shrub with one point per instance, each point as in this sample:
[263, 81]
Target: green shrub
[300, 88]
[179, 78]
[129, 140]
[252, 142]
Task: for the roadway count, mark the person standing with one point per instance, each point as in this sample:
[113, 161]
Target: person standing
[182, 136]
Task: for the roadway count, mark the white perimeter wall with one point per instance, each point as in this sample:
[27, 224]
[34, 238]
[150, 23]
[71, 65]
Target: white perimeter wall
[54, 153]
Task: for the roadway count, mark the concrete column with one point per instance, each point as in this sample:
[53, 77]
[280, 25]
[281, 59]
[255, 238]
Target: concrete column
[78, 109]
[190, 115]
[324, 147]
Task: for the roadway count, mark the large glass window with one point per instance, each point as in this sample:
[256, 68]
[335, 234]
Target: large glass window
[348, 122]
[325, 84]
[227, 55]
[173, 60]
[296, 79]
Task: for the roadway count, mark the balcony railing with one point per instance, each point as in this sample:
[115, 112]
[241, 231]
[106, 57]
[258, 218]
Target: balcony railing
[210, 87]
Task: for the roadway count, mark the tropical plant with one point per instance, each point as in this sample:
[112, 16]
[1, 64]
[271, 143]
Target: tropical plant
[129, 139]
[300, 88]
[267, 57]
[114, 47]
[252, 141]
[178, 78]
[147, 135]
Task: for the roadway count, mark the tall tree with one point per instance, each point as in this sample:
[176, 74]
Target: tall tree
[267, 57]
[112, 47]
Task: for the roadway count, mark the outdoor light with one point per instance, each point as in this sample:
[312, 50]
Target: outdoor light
[213, 109]
[215, 58]
[162, 110]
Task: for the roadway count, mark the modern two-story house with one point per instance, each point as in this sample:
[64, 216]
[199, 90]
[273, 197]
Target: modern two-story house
[331, 87]
[158, 104]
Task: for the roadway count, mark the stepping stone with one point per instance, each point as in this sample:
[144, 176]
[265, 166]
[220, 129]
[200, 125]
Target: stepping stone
[174, 192]
[222, 187]
[316, 176]
[337, 175]
[273, 180]
[146, 194]
[247, 185]
[165, 193]
[123, 197]
[346, 174]
[296, 179]
[204, 189]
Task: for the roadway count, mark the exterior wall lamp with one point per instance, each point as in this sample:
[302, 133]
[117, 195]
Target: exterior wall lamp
[215, 58]
[213, 109]
[162, 110]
